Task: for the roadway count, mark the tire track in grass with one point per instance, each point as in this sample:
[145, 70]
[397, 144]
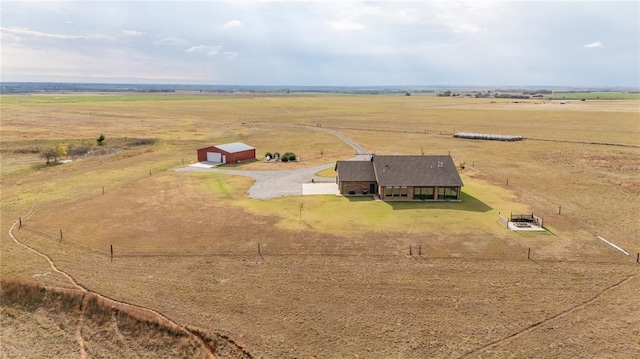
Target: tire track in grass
[191, 332]
[534, 326]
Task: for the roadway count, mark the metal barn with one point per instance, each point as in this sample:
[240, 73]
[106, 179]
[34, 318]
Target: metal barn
[227, 153]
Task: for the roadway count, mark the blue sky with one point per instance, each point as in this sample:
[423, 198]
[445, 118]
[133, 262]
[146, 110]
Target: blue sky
[333, 43]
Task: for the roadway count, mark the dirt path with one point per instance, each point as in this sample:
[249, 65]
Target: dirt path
[359, 149]
[194, 333]
[81, 343]
[534, 326]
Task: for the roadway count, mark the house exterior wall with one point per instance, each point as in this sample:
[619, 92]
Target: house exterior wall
[357, 187]
[230, 157]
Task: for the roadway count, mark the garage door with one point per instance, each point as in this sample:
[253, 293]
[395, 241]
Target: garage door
[214, 157]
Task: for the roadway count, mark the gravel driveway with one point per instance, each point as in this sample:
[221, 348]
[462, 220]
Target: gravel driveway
[270, 184]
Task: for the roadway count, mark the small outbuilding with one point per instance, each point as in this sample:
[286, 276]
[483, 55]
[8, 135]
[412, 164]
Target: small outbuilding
[227, 153]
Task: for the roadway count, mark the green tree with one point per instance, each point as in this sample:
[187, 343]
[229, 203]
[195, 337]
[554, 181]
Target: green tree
[100, 140]
[49, 154]
[61, 150]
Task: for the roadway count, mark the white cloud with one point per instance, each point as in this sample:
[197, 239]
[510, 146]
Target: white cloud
[592, 45]
[230, 54]
[346, 25]
[21, 33]
[170, 40]
[459, 22]
[132, 33]
[231, 24]
[202, 49]
[465, 28]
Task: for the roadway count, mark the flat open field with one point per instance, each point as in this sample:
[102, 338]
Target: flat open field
[334, 278]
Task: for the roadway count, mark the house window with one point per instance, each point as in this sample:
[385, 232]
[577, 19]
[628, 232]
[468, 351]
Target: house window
[393, 191]
[447, 193]
[423, 193]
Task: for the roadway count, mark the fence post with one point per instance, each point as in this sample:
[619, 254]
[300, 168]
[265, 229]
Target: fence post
[507, 181]
[560, 210]
[61, 235]
[149, 173]
[420, 250]
[20, 222]
[410, 251]
[259, 249]
[638, 258]
[111, 246]
[529, 254]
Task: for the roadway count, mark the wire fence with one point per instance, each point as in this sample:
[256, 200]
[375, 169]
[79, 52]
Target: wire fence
[247, 249]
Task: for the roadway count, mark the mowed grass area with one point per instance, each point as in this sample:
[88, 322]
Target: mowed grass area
[335, 278]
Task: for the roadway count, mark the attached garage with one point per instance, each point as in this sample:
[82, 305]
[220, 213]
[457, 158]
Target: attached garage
[227, 153]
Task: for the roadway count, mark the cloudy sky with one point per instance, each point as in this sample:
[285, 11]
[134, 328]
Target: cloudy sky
[483, 42]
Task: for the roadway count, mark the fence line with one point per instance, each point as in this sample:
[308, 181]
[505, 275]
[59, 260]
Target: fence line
[248, 249]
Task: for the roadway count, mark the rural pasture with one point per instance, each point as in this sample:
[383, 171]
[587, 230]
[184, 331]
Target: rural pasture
[334, 277]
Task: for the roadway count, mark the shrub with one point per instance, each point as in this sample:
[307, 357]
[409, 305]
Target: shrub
[142, 141]
[27, 150]
[290, 156]
[268, 154]
[284, 159]
[276, 155]
[75, 151]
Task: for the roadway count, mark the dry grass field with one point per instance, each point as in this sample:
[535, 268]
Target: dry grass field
[334, 278]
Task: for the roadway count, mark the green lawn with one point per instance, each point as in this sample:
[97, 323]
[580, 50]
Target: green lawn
[476, 213]
[596, 95]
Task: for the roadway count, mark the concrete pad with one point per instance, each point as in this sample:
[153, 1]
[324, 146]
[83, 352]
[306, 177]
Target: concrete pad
[320, 188]
[529, 228]
[205, 164]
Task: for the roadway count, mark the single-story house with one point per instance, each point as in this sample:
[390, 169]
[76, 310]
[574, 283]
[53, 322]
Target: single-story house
[227, 153]
[401, 178]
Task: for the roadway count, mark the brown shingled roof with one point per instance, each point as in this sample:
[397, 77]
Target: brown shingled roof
[355, 171]
[416, 171]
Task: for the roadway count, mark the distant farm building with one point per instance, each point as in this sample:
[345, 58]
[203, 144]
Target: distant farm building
[487, 136]
[401, 178]
[227, 153]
